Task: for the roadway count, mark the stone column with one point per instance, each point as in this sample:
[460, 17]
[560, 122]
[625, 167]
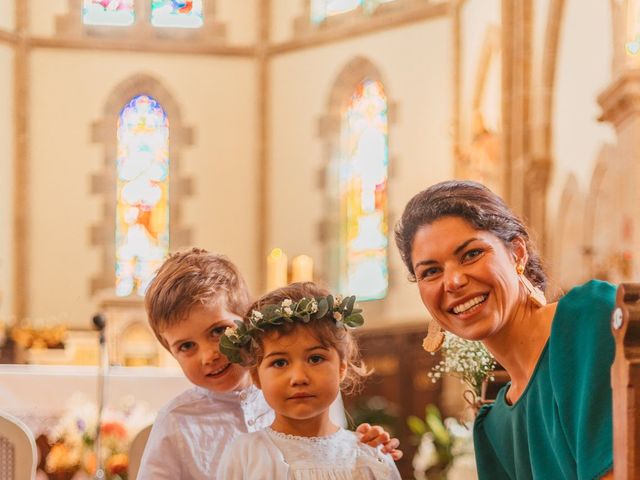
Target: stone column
[620, 103]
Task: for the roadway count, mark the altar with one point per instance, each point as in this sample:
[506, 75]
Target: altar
[39, 394]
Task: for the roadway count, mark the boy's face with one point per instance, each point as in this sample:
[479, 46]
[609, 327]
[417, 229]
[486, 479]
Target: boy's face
[299, 377]
[194, 344]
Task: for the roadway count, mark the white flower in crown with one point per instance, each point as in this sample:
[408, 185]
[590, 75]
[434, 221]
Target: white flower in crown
[286, 307]
[337, 316]
[313, 305]
[256, 315]
[338, 300]
[231, 332]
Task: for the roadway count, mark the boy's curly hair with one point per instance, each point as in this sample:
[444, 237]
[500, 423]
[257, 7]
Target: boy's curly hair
[188, 278]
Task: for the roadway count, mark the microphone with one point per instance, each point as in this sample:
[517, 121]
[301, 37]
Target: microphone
[99, 323]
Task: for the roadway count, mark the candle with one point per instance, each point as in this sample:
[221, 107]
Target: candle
[302, 269]
[276, 269]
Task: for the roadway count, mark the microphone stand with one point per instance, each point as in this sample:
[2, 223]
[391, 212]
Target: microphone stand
[99, 322]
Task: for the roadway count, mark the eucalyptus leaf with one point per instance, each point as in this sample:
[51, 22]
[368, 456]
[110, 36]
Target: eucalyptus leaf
[350, 302]
[354, 320]
[323, 308]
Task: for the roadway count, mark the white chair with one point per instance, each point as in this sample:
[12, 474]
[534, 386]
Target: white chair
[18, 451]
[135, 451]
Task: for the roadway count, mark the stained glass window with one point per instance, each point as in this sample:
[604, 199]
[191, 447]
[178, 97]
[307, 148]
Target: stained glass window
[142, 215]
[363, 193]
[321, 9]
[176, 13]
[108, 12]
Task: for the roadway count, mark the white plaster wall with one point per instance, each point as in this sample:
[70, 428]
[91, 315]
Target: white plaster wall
[69, 90]
[7, 14]
[42, 16]
[6, 182]
[241, 19]
[418, 81]
[283, 14]
[583, 72]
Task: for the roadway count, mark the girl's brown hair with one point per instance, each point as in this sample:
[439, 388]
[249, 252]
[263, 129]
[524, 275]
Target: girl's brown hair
[323, 329]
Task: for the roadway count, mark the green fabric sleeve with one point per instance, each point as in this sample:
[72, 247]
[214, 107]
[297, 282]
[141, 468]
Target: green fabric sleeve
[581, 353]
[487, 461]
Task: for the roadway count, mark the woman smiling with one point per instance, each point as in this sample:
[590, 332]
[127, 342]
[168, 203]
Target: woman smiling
[480, 278]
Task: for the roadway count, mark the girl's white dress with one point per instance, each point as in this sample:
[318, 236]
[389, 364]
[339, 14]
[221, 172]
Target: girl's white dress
[270, 455]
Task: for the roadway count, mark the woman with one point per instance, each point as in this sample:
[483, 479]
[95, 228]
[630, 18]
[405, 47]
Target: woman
[480, 277]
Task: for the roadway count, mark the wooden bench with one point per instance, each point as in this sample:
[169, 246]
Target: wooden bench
[625, 382]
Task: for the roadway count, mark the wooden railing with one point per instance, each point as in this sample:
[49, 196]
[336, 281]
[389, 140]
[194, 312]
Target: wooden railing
[625, 382]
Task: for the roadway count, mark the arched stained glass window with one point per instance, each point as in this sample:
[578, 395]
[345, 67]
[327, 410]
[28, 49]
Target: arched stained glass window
[363, 193]
[176, 13]
[142, 214]
[321, 9]
[108, 12]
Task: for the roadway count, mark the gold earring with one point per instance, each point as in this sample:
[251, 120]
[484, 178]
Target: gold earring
[434, 339]
[534, 293]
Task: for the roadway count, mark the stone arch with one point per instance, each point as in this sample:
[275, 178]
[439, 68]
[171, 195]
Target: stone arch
[569, 246]
[137, 345]
[605, 218]
[329, 127]
[103, 131]
[481, 158]
[548, 76]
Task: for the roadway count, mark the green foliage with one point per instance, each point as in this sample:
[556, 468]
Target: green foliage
[341, 310]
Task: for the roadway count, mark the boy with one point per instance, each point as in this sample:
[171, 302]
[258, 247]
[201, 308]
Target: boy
[194, 297]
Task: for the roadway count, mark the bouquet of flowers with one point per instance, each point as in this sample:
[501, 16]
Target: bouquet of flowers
[74, 437]
[445, 448]
[467, 360]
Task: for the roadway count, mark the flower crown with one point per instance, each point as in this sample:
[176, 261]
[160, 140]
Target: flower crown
[341, 310]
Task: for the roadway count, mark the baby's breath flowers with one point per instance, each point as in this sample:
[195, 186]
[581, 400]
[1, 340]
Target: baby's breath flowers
[467, 360]
[240, 339]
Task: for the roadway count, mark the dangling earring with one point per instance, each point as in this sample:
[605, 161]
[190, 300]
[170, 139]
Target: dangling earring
[434, 339]
[535, 294]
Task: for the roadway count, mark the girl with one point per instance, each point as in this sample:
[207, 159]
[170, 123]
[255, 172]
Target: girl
[300, 351]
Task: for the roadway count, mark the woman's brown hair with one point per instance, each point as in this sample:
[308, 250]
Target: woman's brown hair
[476, 204]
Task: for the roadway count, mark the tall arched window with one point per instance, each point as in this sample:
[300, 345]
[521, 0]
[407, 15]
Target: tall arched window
[363, 193]
[108, 12]
[321, 9]
[142, 213]
[171, 13]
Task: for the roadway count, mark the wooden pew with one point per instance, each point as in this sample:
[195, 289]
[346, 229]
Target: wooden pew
[625, 382]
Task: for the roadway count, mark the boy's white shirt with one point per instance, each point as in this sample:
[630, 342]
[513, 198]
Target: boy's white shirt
[191, 432]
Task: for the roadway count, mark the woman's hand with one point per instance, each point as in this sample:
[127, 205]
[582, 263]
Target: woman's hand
[376, 435]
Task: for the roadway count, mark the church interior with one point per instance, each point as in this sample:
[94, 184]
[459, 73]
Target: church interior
[288, 135]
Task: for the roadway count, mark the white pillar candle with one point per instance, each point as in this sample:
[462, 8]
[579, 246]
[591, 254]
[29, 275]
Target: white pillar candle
[302, 269]
[276, 269]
